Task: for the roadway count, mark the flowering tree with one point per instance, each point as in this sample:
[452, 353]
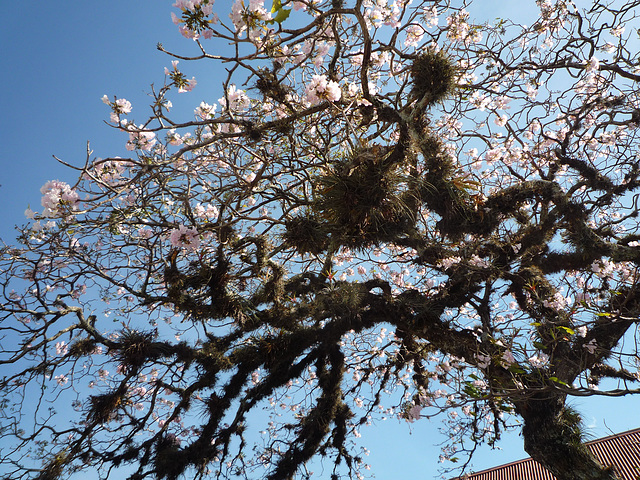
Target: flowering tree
[390, 209]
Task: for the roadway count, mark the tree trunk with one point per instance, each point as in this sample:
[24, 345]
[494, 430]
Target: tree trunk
[553, 438]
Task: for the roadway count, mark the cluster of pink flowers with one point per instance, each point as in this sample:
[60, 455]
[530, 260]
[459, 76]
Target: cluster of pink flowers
[179, 79]
[184, 237]
[249, 17]
[140, 139]
[61, 348]
[204, 7]
[210, 212]
[540, 360]
[414, 35]
[448, 262]
[109, 171]
[205, 111]
[238, 99]
[460, 30]
[121, 106]
[58, 198]
[321, 89]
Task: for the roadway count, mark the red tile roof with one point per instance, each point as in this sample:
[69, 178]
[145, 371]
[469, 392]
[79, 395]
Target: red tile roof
[621, 451]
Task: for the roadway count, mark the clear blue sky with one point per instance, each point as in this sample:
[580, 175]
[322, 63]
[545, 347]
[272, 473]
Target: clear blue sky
[59, 58]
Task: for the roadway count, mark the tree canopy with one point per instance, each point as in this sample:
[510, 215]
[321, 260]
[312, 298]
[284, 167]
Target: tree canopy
[391, 209]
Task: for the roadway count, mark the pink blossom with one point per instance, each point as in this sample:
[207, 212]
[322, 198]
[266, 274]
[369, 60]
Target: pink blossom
[142, 140]
[58, 197]
[205, 111]
[238, 99]
[414, 35]
[61, 348]
[501, 120]
[78, 292]
[431, 16]
[185, 237]
[322, 89]
[448, 262]
[413, 413]
[30, 214]
[483, 360]
[508, 358]
[187, 87]
[249, 16]
[210, 212]
[174, 138]
[122, 105]
[593, 64]
[539, 360]
[109, 171]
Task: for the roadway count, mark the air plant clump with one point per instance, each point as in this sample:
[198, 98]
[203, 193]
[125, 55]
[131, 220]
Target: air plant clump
[449, 193]
[434, 76]
[271, 87]
[136, 348]
[306, 234]
[363, 199]
[54, 469]
[103, 407]
[438, 171]
[83, 346]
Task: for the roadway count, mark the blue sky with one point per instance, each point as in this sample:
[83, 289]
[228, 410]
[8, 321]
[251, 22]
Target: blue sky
[59, 58]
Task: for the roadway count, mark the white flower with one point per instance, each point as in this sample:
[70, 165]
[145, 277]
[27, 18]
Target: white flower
[618, 31]
[593, 64]
[30, 214]
[446, 263]
[539, 360]
[414, 35]
[322, 89]
[501, 121]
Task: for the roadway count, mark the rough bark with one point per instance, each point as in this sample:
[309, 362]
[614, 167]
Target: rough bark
[553, 438]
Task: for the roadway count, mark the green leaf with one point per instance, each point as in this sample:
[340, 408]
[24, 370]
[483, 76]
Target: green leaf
[568, 330]
[472, 391]
[557, 380]
[281, 14]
